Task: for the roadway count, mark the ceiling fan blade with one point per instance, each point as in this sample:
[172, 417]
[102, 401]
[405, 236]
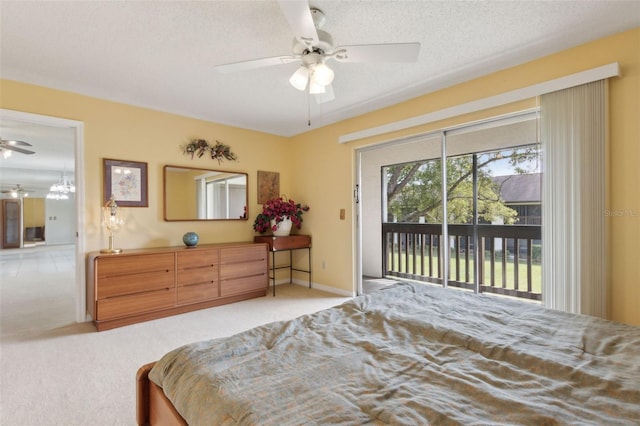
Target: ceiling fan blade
[16, 149]
[14, 142]
[327, 96]
[255, 63]
[300, 20]
[16, 189]
[393, 52]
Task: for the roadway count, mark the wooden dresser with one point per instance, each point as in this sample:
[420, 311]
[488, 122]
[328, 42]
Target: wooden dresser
[144, 284]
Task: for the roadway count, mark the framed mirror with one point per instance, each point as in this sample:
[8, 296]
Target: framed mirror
[204, 194]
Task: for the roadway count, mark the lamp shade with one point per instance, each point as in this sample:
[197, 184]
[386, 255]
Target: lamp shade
[322, 74]
[112, 220]
[299, 78]
[111, 216]
[316, 89]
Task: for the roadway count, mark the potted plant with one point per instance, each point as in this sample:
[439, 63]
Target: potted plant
[278, 214]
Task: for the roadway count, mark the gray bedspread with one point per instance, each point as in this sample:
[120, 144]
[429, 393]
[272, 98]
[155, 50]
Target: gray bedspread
[412, 354]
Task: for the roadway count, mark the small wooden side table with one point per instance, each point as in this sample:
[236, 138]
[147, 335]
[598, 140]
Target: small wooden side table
[288, 243]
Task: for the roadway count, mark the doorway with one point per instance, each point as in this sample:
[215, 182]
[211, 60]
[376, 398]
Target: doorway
[51, 163]
[370, 161]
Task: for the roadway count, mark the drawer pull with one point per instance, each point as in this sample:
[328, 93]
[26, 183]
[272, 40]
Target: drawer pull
[199, 283]
[190, 268]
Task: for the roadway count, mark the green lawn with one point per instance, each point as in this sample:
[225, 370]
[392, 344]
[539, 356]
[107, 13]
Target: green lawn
[536, 271]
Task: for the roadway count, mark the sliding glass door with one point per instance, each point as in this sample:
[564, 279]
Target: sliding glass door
[485, 236]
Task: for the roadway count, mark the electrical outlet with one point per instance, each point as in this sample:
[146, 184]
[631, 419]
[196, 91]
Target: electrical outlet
[324, 265]
[342, 214]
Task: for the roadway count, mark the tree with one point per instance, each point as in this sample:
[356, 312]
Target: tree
[414, 189]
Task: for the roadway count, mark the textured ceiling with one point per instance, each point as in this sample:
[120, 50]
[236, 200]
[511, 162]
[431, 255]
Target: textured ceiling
[162, 55]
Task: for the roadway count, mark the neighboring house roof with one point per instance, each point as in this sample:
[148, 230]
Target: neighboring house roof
[519, 189]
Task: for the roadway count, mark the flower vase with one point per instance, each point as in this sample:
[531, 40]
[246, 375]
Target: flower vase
[284, 227]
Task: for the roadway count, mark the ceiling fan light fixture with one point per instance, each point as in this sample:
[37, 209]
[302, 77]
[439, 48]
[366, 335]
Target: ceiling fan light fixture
[322, 75]
[16, 194]
[300, 78]
[316, 89]
[5, 153]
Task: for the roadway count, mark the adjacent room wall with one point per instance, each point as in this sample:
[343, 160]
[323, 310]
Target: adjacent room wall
[60, 221]
[33, 212]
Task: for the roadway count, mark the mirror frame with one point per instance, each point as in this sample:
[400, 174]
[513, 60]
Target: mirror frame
[164, 185]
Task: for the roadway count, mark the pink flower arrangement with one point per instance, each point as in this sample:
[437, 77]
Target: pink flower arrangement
[279, 209]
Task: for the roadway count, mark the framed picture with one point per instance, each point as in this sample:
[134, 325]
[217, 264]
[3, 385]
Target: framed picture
[126, 181]
[268, 186]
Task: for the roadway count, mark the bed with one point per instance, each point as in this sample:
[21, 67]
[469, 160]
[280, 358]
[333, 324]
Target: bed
[407, 354]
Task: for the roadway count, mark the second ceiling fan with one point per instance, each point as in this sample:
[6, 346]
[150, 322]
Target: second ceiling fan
[314, 47]
[16, 191]
[9, 145]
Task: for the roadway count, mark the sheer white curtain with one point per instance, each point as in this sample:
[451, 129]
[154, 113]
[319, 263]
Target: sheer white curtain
[573, 137]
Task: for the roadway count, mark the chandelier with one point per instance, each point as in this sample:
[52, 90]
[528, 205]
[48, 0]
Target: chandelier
[61, 190]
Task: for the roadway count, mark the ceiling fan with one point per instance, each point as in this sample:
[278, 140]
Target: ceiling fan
[17, 191]
[9, 145]
[314, 47]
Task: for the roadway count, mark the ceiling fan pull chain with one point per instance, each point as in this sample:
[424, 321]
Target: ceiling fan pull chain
[309, 109]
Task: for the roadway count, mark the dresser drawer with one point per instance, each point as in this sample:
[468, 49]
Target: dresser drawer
[238, 270]
[243, 254]
[248, 284]
[197, 258]
[135, 303]
[197, 292]
[121, 285]
[129, 265]
[198, 275]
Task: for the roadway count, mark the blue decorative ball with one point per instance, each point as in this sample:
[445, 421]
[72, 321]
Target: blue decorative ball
[190, 239]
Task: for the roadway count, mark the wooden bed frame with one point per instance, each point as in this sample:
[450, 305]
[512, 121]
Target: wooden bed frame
[152, 406]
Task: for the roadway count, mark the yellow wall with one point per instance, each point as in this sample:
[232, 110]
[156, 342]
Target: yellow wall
[183, 201]
[33, 212]
[320, 172]
[324, 169]
[124, 132]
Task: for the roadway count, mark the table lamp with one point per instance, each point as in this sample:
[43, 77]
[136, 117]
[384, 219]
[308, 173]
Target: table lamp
[113, 221]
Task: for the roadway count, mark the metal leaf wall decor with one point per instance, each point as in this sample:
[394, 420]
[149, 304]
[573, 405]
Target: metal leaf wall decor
[217, 151]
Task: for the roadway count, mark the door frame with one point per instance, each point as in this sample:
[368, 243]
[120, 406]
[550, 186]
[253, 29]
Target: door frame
[78, 127]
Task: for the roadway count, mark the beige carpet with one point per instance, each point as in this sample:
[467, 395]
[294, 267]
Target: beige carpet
[55, 374]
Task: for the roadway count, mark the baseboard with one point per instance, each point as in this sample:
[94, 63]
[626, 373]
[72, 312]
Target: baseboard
[327, 289]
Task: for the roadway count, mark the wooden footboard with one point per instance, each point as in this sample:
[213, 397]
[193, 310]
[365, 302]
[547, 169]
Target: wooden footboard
[152, 406]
